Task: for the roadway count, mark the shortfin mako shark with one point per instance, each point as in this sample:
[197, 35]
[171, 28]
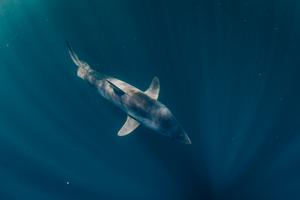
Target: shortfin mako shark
[141, 107]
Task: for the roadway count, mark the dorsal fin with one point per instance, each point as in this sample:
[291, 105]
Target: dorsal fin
[153, 90]
[129, 126]
[117, 90]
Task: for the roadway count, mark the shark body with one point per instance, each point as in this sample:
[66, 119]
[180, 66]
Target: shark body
[141, 107]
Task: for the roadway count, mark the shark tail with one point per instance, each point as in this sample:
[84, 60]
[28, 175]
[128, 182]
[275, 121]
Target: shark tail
[74, 56]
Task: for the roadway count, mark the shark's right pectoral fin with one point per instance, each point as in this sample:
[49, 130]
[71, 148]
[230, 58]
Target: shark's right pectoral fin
[129, 126]
[153, 90]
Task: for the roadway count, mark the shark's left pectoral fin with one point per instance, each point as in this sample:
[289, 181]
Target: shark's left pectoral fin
[153, 90]
[129, 126]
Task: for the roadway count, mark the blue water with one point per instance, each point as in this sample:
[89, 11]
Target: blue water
[229, 71]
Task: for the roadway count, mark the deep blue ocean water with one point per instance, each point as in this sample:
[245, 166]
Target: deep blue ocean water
[229, 71]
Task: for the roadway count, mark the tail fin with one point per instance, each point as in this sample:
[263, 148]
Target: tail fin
[74, 57]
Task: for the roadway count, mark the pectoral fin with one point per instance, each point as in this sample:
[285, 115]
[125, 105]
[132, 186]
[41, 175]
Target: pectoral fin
[153, 90]
[129, 126]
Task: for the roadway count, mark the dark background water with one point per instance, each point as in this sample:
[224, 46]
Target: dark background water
[229, 71]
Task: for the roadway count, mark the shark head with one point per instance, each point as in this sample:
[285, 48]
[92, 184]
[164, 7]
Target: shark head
[181, 136]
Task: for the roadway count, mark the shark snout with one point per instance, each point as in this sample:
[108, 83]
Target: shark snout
[181, 136]
[184, 138]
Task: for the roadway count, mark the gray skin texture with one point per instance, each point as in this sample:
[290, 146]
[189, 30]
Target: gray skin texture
[138, 105]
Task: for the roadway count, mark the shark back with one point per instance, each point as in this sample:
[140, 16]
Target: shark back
[125, 87]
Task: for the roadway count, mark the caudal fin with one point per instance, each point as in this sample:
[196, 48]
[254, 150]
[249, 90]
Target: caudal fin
[74, 57]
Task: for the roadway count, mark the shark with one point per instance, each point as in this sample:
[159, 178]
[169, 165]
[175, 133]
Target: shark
[141, 107]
